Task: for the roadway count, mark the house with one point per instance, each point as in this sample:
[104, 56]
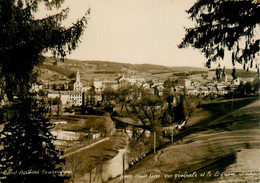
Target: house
[85, 88]
[137, 79]
[97, 83]
[133, 80]
[187, 82]
[67, 97]
[110, 83]
[191, 90]
[53, 94]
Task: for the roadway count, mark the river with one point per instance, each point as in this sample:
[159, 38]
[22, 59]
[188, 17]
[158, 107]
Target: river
[109, 169]
[114, 167]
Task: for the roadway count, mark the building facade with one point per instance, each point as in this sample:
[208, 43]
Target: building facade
[77, 85]
[68, 98]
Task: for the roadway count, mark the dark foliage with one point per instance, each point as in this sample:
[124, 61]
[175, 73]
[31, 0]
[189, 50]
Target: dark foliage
[178, 110]
[188, 73]
[24, 38]
[244, 90]
[28, 152]
[72, 75]
[225, 24]
[28, 145]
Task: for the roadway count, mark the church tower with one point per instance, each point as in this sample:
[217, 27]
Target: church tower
[77, 76]
[77, 85]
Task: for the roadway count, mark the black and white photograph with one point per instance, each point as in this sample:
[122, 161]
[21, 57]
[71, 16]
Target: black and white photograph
[129, 91]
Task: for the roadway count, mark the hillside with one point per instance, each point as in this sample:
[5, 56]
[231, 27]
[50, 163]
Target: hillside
[111, 70]
[106, 70]
[228, 144]
[240, 73]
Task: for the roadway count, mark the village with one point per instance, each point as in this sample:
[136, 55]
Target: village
[112, 118]
[129, 91]
[101, 111]
[84, 91]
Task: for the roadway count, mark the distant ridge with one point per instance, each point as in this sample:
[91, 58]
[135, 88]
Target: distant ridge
[91, 69]
[147, 66]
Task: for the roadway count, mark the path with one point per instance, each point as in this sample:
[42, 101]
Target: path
[86, 147]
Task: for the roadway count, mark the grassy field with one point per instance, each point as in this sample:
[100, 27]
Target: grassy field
[78, 123]
[217, 148]
[217, 109]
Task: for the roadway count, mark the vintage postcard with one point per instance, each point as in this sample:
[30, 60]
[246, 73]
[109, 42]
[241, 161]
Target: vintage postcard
[132, 91]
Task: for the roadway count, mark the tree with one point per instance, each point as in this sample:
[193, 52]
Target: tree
[24, 39]
[123, 97]
[168, 115]
[72, 75]
[62, 87]
[90, 96]
[58, 104]
[54, 86]
[242, 90]
[148, 110]
[108, 95]
[168, 83]
[73, 164]
[28, 145]
[27, 141]
[106, 127]
[178, 110]
[168, 95]
[256, 84]
[190, 104]
[185, 107]
[153, 112]
[223, 25]
[138, 145]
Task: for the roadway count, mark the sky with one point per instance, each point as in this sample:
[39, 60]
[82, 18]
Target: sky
[134, 31]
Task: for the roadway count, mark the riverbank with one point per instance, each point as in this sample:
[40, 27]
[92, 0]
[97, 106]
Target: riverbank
[87, 160]
[203, 154]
